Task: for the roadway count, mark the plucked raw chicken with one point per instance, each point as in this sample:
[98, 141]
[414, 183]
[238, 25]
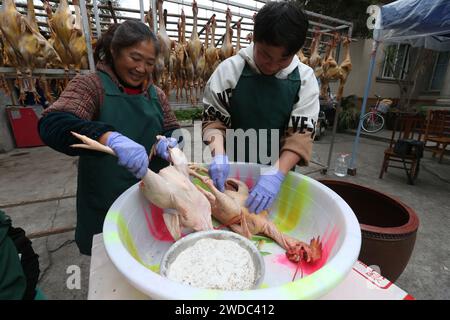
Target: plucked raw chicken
[170, 189]
[229, 208]
[344, 68]
[302, 57]
[238, 41]
[3, 84]
[196, 54]
[77, 44]
[67, 35]
[163, 59]
[211, 54]
[315, 59]
[149, 18]
[226, 50]
[330, 67]
[24, 47]
[179, 69]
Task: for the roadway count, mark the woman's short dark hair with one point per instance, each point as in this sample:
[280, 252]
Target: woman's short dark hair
[120, 36]
[281, 24]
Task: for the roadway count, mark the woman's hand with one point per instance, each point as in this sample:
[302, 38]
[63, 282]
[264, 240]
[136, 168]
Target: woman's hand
[132, 155]
[163, 145]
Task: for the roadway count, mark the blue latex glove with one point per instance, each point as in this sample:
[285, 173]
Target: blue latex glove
[219, 170]
[265, 191]
[131, 155]
[163, 145]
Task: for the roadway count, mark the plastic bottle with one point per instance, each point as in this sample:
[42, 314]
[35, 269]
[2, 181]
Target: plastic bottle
[341, 166]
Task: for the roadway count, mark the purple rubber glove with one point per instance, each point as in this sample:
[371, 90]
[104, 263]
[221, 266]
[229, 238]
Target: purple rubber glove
[163, 145]
[131, 155]
[219, 170]
[265, 191]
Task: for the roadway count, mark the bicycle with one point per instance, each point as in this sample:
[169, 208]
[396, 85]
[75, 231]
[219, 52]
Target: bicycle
[373, 121]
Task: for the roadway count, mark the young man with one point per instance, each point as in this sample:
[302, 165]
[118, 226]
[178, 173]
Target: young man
[265, 86]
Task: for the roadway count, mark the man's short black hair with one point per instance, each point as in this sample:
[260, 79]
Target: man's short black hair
[281, 24]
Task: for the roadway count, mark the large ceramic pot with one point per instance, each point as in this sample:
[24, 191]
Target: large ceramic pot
[388, 226]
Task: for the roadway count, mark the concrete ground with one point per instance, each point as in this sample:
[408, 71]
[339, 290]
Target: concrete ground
[37, 189]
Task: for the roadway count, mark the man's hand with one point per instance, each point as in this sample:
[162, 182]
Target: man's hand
[265, 191]
[219, 170]
[132, 155]
[163, 145]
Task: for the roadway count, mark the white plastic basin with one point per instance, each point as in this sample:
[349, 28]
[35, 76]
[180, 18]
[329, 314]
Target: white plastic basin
[136, 239]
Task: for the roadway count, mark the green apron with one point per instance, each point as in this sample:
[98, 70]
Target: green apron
[12, 278]
[262, 102]
[100, 179]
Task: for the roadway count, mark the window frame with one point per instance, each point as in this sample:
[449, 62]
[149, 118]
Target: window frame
[430, 89]
[384, 74]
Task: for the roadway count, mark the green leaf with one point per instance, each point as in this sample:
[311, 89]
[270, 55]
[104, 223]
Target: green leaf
[198, 182]
[265, 253]
[265, 239]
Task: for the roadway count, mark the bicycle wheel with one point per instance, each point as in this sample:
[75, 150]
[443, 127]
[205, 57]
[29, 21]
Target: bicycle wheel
[372, 122]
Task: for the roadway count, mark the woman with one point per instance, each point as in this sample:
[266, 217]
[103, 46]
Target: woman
[119, 107]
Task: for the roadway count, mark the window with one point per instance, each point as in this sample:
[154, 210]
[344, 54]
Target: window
[439, 71]
[396, 62]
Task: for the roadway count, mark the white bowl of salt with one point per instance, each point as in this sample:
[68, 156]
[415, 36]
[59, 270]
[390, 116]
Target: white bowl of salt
[215, 259]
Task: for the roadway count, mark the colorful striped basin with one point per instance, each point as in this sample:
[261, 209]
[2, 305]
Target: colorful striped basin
[136, 239]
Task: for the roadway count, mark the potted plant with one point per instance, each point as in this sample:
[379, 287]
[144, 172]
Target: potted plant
[348, 115]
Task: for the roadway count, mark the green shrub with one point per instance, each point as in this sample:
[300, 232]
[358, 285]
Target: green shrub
[189, 114]
[348, 117]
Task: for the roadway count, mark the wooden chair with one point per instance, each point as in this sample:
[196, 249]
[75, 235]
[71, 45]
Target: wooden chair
[437, 130]
[407, 126]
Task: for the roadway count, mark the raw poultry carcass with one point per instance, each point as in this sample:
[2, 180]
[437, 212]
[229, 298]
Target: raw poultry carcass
[179, 68]
[344, 68]
[196, 53]
[31, 18]
[25, 48]
[211, 54]
[77, 41]
[318, 72]
[227, 47]
[330, 65]
[315, 59]
[67, 35]
[330, 68]
[228, 208]
[161, 76]
[168, 66]
[170, 189]
[302, 57]
[54, 40]
[249, 37]
[3, 84]
[172, 66]
[200, 73]
[56, 43]
[149, 18]
[31, 15]
[190, 77]
[238, 41]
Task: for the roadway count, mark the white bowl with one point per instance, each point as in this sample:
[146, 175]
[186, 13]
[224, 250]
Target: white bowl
[189, 240]
[136, 239]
